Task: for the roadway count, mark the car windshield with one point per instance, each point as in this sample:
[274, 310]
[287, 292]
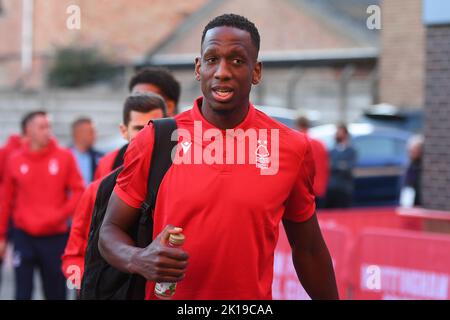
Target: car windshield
[377, 148]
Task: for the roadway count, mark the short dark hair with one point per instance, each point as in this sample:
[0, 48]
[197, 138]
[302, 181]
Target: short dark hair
[343, 127]
[143, 102]
[303, 123]
[27, 118]
[159, 77]
[80, 121]
[235, 21]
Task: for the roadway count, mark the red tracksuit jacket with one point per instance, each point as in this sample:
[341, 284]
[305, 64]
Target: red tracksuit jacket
[105, 165]
[321, 160]
[13, 144]
[41, 190]
[76, 245]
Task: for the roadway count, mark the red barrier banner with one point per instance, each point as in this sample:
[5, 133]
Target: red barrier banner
[285, 284]
[356, 219]
[390, 264]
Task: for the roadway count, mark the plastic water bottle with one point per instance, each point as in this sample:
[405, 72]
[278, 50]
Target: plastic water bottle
[166, 290]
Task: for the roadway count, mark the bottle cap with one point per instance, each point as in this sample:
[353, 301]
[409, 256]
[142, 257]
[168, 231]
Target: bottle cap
[176, 239]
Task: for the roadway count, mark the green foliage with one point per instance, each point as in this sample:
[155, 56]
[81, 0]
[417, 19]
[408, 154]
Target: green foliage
[78, 67]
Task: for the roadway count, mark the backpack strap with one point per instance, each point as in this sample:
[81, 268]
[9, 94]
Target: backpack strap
[118, 160]
[160, 163]
[161, 158]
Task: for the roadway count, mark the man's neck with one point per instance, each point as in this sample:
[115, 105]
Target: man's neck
[35, 147]
[304, 131]
[342, 145]
[81, 148]
[226, 120]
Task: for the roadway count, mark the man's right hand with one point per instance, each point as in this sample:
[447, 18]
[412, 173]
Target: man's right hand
[159, 262]
[2, 249]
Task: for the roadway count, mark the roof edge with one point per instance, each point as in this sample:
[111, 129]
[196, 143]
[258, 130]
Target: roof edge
[300, 57]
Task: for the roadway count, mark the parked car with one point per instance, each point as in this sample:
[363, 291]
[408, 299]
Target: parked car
[382, 158]
[288, 116]
[387, 115]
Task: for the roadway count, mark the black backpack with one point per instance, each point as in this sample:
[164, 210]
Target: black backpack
[118, 160]
[102, 281]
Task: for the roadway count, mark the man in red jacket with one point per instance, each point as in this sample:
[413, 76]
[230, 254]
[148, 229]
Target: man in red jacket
[148, 80]
[138, 110]
[320, 155]
[42, 185]
[13, 144]
[154, 80]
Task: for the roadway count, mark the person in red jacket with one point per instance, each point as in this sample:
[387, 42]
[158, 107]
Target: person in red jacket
[42, 186]
[138, 110]
[13, 144]
[155, 80]
[320, 155]
[74, 252]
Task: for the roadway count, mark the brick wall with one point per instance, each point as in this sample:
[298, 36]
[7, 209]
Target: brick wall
[436, 175]
[296, 28]
[402, 53]
[124, 29]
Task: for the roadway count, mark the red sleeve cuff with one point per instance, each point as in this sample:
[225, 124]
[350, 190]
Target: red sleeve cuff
[69, 262]
[3, 233]
[304, 216]
[125, 197]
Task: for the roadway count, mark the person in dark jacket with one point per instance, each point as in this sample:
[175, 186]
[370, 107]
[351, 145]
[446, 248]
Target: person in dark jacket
[342, 162]
[84, 136]
[413, 175]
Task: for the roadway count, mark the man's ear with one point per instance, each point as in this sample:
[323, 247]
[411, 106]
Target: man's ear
[170, 108]
[257, 73]
[123, 131]
[197, 68]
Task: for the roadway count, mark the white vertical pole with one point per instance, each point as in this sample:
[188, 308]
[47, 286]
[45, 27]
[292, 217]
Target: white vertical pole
[27, 35]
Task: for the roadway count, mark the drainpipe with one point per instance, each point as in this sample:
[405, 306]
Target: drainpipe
[27, 36]
[346, 75]
[295, 76]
